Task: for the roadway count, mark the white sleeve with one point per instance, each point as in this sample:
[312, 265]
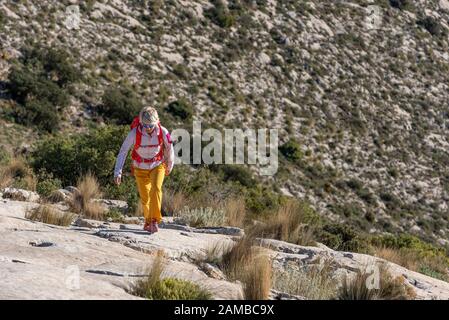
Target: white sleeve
[169, 153]
[123, 153]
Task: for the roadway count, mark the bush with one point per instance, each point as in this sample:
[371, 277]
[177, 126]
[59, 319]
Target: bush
[17, 174]
[121, 105]
[260, 199]
[431, 25]
[220, 15]
[424, 257]
[66, 158]
[401, 4]
[38, 83]
[237, 173]
[291, 150]
[202, 217]
[180, 109]
[176, 289]
[154, 288]
[126, 191]
[236, 257]
[342, 237]
[46, 184]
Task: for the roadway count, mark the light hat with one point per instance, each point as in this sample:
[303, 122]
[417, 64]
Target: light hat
[148, 116]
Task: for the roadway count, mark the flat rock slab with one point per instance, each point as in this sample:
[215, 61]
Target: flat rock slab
[38, 260]
[75, 264]
[346, 262]
[182, 245]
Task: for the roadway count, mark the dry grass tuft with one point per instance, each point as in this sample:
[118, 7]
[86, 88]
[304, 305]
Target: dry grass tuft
[378, 284]
[244, 262]
[235, 211]
[235, 259]
[313, 282]
[154, 274]
[6, 178]
[17, 172]
[47, 214]
[88, 189]
[407, 259]
[256, 278]
[173, 202]
[289, 224]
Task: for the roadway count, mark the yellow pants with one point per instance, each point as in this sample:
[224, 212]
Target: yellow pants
[149, 184]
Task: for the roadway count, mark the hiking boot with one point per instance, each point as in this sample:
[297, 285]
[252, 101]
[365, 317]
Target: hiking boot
[154, 226]
[147, 226]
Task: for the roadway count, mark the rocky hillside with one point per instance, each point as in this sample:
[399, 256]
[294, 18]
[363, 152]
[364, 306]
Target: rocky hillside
[366, 103]
[92, 259]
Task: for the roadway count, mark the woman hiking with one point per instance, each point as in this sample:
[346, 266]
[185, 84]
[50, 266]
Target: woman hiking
[152, 160]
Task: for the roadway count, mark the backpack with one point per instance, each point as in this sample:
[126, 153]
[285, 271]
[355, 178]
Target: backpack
[135, 156]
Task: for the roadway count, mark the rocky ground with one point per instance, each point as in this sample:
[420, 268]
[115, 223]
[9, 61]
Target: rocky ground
[41, 261]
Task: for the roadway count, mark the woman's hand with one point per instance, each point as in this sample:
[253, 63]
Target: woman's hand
[167, 171]
[118, 180]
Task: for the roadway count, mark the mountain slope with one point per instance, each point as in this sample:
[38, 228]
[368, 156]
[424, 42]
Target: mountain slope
[369, 107]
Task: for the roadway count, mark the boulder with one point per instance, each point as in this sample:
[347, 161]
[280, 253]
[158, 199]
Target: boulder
[60, 195]
[108, 204]
[20, 195]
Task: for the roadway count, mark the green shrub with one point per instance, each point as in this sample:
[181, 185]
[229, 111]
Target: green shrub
[38, 112]
[342, 237]
[260, 199]
[220, 15]
[180, 109]
[121, 105]
[406, 241]
[46, 184]
[402, 4]
[126, 191]
[291, 150]
[237, 173]
[115, 215]
[155, 288]
[175, 289]
[39, 84]
[431, 25]
[66, 158]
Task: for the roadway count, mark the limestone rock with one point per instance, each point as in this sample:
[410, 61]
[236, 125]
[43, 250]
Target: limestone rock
[20, 195]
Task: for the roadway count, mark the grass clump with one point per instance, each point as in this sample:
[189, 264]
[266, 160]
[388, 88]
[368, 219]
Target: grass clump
[292, 222]
[47, 214]
[414, 254]
[202, 217]
[377, 285]
[256, 279]
[244, 262]
[87, 190]
[153, 287]
[16, 173]
[313, 282]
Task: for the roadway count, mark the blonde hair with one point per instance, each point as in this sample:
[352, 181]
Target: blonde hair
[148, 115]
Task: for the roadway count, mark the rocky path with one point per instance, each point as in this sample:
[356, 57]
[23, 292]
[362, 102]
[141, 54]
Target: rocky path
[40, 261]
